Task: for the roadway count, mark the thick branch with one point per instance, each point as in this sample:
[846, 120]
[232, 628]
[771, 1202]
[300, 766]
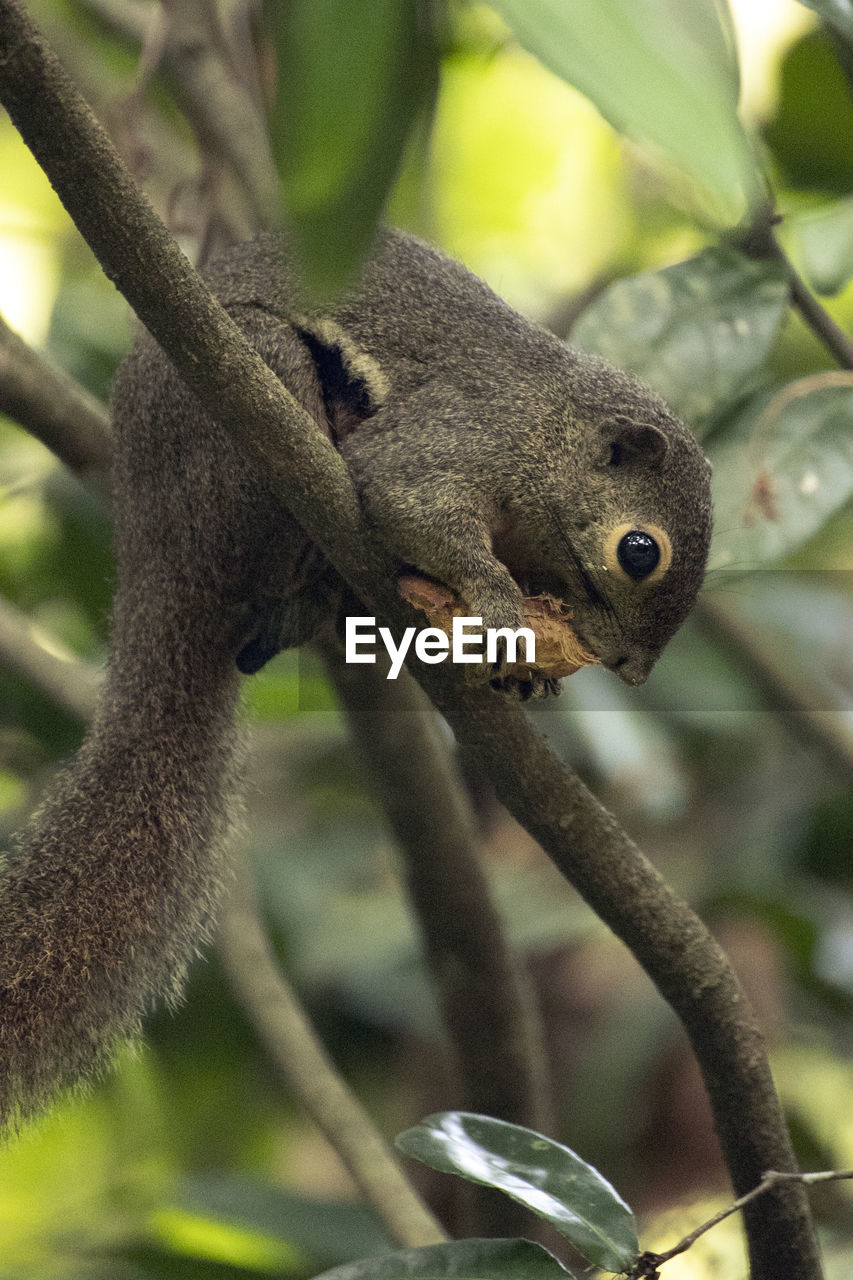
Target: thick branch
[673, 946]
[56, 409]
[583, 839]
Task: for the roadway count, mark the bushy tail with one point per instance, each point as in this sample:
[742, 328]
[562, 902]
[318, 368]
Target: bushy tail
[106, 896]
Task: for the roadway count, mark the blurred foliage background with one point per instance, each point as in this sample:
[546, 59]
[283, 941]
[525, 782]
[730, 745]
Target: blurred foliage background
[597, 209]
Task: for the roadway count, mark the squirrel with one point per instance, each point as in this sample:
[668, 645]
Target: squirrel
[486, 454]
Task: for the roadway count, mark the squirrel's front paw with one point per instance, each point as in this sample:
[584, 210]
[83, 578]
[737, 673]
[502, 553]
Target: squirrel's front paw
[500, 610]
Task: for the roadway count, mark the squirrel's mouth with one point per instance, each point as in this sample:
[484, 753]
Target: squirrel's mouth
[533, 584]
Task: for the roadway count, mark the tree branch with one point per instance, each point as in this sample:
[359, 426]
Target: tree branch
[667, 938]
[57, 410]
[302, 1062]
[649, 1262]
[225, 117]
[586, 843]
[817, 317]
[70, 683]
[207, 76]
[759, 241]
[131, 19]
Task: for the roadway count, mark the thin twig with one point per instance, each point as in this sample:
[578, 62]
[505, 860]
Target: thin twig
[818, 318]
[294, 1048]
[759, 241]
[222, 111]
[57, 410]
[69, 682]
[132, 19]
[649, 1261]
[155, 149]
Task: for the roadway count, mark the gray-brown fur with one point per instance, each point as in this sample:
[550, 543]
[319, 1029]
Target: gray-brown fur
[467, 430]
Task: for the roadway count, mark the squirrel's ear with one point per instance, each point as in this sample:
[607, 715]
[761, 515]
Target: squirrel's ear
[353, 384]
[632, 444]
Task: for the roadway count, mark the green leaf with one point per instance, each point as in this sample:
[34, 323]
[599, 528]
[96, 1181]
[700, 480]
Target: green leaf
[325, 1232]
[661, 71]
[826, 245]
[461, 1260]
[354, 78]
[546, 1177]
[697, 332]
[782, 467]
[838, 13]
[809, 135]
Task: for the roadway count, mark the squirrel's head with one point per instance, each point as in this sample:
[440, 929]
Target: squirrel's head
[628, 514]
[638, 564]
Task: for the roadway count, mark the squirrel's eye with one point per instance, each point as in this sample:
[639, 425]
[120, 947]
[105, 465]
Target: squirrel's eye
[638, 554]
